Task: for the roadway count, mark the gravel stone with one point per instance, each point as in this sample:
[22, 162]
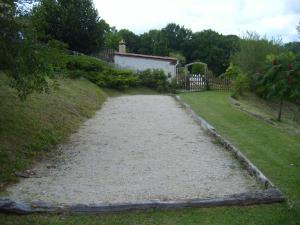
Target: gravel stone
[137, 148]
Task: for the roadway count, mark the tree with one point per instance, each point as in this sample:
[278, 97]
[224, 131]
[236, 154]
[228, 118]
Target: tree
[253, 51]
[178, 56]
[281, 79]
[177, 36]
[212, 48]
[131, 39]
[112, 38]
[293, 46]
[24, 60]
[154, 42]
[298, 29]
[75, 22]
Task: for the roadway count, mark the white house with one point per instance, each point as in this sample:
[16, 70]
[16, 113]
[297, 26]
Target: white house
[138, 62]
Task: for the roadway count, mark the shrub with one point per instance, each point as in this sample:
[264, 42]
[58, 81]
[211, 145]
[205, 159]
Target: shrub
[240, 84]
[119, 79]
[85, 63]
[198, 69]
[174, 86]
[252, 54]
[231, 72]
[155, 79]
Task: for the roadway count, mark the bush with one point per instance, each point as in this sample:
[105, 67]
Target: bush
[252, 54]
[231, 72]
[174, 86]
[240, 84]
[104, 76]
[119, 79]
[155, 79]
[85, 63]
[198, 69]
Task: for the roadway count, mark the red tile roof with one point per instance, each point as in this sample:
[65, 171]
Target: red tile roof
[173, 60]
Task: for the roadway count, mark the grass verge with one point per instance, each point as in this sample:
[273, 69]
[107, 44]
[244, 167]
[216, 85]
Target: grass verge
[30, 129]
[269, 110]
[274, 151]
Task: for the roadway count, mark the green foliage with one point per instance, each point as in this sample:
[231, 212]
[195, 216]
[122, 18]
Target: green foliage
[118, 79]
[240, 80]
[212, 48]
[240, 84]
[131, 39]
[154, 42]
[293, 46]
[174, 86]
[281, 78]
[71, 21]
[177, 36]
[231, 72]
[112, 39]
[85, 64]
[155, 79]
[252, 54]
[100, 73]
[26, 62]
[198, 69]
[179, 56]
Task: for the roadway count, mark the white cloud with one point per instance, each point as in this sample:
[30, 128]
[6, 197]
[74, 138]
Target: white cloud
[267, 17]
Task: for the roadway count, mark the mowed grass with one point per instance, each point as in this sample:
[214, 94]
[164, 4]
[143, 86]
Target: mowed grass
[290, 120]
[30, 129]
[275, 152]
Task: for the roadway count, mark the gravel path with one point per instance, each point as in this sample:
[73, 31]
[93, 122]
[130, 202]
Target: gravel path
[136, 148]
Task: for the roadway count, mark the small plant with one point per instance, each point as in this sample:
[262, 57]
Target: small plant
[240, 80]
[240, 84]
[232, 72]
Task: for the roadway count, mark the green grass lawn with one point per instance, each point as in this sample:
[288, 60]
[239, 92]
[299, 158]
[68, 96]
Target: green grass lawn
[274, 151]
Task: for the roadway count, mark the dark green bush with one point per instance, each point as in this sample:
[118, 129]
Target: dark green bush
[198, 69]
[105, 76]
[85, 63]
[119, 79]
[155, 79]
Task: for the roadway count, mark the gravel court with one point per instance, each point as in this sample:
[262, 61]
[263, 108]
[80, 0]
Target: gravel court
[136, 148]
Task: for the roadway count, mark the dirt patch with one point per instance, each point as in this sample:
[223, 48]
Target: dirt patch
[137, 148]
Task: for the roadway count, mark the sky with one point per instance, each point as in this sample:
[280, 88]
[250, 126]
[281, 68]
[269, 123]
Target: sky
[273, 18]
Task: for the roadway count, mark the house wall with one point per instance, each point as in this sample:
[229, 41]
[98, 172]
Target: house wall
[140, 64]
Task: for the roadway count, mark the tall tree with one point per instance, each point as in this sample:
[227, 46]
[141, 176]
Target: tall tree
[154, 42]
[112, 38]
[22, 57]
[131, 39]
[212, 48]
[75, 22]
[293, 46]
[177, 36]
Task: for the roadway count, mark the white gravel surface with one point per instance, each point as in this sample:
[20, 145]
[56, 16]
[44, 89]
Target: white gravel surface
[136, 148]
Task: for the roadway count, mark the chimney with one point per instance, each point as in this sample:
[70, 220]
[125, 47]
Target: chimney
[122, 46]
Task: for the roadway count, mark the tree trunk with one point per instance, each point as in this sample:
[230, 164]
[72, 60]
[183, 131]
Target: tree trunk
[280, 109]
